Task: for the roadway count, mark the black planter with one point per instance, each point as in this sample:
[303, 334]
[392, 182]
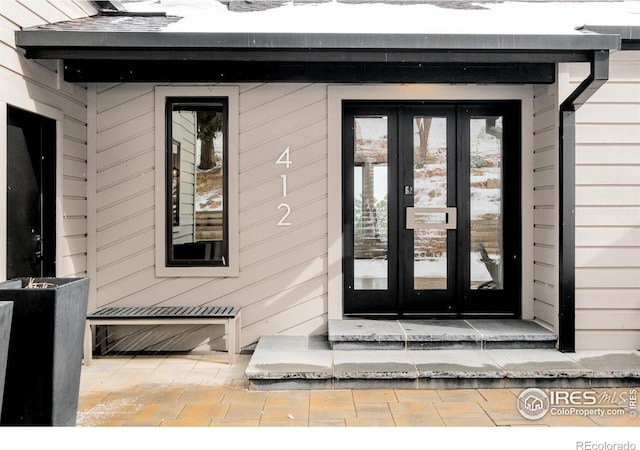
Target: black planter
[6, 310]
[45, 351]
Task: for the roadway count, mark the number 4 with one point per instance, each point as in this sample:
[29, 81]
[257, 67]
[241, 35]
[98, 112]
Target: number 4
[284, 158]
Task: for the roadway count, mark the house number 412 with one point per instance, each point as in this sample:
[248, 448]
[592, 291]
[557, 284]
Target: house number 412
[285, 160]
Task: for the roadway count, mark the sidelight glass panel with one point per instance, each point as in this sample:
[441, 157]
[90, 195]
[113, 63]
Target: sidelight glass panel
[486, 200]
[429, 191]
[371, 236]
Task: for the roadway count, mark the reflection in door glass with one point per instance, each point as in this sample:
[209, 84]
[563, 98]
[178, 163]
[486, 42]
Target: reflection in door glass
[430, 191]
[371, 269]
[486, 202]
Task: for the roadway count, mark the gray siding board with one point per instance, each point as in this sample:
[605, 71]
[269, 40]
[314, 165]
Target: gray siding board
[608, 339]
[120, 211]
[618, 319]
[133, 244]
[606, 257]
[121, 153]
[608, 195]
[607, 298]
[609, 133]
[544, 235]
[117, 232]
[135, 167]
[116, 197]
[544, 216]
[605, 278]
[127, 263]
[620, 154]
[544, 157]
[608, 174]
[19, 15]
[608, 215]
[603, 236]
[75, 226]
[44, 10]
[71, 8]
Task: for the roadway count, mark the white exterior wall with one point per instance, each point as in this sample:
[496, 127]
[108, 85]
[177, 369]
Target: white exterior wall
[38, 87]
[608, 208]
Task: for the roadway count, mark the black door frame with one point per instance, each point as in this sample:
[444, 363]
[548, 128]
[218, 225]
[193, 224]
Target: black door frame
[458, 301]
[40, 137]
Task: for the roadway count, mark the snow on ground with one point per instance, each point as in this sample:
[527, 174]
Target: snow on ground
[432, 268]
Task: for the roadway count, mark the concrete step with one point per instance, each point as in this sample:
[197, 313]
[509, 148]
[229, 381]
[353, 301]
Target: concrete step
[363, 334]
[309, 362]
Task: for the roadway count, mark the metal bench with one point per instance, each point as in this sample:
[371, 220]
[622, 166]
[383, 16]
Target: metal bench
[229, 316]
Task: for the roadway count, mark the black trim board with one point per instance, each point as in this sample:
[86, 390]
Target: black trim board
[352, 72]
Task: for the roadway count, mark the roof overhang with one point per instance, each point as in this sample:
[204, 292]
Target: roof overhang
[333, 57]
[629, 35]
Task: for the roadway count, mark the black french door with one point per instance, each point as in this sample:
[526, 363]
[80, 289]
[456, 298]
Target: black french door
[431, 220]
[31, 194]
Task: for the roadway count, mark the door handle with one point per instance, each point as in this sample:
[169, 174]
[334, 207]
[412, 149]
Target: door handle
[415, 214]
[37, 248]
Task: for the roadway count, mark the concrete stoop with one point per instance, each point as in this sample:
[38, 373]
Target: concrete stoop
[418, 357]
[363, 334]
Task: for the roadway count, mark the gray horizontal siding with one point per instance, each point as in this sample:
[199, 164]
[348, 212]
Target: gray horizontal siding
[545, 194]
[608, 209]
[282, 286]
[37, 86]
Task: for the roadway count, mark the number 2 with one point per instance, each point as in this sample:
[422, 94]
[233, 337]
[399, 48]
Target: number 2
[282, 222]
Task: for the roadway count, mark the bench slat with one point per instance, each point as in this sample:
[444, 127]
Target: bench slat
[126, 312]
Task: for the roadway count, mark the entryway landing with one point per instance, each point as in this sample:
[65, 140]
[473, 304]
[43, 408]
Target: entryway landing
[375, 354]
[351, 334]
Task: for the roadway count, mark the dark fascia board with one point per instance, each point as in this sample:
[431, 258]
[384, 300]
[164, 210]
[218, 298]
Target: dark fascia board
[338, 72]
[143, 45]
[315, 55]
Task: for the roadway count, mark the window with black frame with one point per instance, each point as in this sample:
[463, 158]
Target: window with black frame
[196, 174]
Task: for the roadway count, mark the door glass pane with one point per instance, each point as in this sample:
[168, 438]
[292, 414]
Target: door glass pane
[430, 191]
[371, 269]
[486, 146]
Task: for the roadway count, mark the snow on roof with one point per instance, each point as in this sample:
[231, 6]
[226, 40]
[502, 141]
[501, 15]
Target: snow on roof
[401, 17]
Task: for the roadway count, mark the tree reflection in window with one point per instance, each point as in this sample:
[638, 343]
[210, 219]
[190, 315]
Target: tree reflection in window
[197, 170]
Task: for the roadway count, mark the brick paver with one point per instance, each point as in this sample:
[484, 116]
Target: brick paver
[114, 393]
